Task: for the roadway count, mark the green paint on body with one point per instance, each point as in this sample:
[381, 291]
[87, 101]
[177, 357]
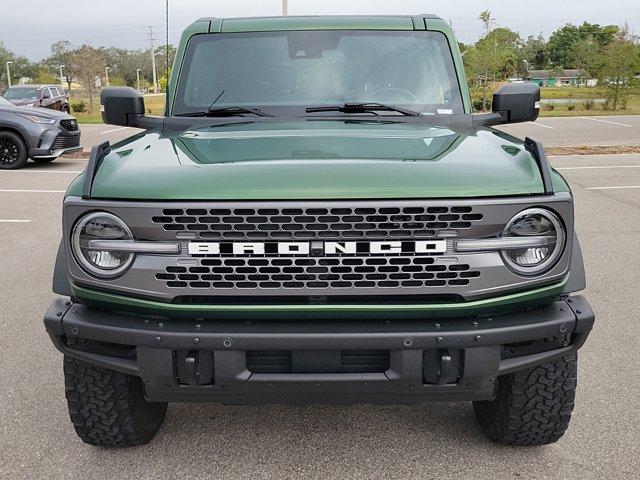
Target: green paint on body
[296, 160]
[409, 310]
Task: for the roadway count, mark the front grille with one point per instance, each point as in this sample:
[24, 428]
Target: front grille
[319, 273]
[274, 273]
[65, 141]
[69, 125]
[345, 361]
[318, 223]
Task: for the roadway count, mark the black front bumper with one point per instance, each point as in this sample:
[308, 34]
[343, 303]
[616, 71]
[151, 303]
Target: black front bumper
[191, 360]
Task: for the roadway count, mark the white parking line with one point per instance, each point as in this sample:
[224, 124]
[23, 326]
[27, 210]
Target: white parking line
[70, 172]
[113, 130]
[13, 221]
[606, 121]
[598, 167]
[32, 191]
[613, 188]
[543, 126]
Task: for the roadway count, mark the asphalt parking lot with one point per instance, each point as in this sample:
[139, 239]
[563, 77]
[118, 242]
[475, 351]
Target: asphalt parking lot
[572, 131]
[423, 441]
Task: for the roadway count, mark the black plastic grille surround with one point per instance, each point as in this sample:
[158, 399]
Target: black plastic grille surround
[323, 275]
[70, 125]
[65, 141]
[318, 223]
[317, 273]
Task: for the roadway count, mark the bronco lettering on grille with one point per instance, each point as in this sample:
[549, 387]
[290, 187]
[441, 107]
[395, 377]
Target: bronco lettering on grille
[316, 248]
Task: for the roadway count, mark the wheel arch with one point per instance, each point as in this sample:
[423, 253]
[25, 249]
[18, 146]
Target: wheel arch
[4, 127]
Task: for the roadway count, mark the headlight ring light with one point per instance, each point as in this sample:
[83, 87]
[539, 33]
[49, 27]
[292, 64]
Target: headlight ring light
[523, 262]
[106, 226]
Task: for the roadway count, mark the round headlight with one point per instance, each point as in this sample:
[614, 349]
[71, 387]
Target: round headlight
[535, 222]
[101, 226]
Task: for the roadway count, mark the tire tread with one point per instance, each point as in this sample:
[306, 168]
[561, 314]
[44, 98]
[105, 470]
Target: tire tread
[533, 406]
[107, 408]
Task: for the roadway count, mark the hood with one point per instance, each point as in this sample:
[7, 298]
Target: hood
[41, 112]
[315, 159]
[24, 101]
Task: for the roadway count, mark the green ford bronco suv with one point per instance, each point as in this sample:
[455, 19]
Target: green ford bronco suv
[319, 217]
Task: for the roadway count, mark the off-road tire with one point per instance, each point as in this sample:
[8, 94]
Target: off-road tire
[16, 154]
[533, 406]
[108, 408]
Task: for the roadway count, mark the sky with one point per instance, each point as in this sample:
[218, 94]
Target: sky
[29, 27]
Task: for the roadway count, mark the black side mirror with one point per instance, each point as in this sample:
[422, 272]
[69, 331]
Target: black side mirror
[517, 102]
[46, 96]
[121, 106]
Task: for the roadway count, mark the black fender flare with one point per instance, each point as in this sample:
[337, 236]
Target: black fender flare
[577, 279]
[61, 283]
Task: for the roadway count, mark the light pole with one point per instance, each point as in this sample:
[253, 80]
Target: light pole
[62, 76]
[9, 74]
[106, 75]
[138, 78]
[285, 8]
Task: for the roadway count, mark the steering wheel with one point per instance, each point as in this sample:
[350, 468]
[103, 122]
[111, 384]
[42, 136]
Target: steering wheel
[407, 94]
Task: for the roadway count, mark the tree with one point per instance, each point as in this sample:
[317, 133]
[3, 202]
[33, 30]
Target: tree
[487, 21]
[620, 62]
[562, 41]
[534, 52]
[125, 63]
[60, 52]
[161, 59]
[500, 50]
[586, 56]
[21, 67]
[42, 74]
[86, 64]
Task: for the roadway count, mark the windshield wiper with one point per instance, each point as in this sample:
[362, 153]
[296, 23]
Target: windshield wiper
[363, 107]
[227, 112]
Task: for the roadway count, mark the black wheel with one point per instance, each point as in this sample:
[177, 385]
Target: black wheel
[13, 151]
[532, 407]
[108, 408]
[65, 109]
[43, 160]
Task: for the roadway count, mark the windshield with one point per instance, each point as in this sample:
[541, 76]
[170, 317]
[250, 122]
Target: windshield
[298, 69]
[21, 93]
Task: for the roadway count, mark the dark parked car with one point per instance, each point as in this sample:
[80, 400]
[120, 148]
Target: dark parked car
[39, 134]
[47, 96]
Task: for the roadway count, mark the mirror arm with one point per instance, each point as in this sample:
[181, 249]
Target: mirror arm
[490, 119]
[145, 122]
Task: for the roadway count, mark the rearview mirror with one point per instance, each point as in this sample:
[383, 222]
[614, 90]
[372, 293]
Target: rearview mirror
[517, 102]
[121, 106]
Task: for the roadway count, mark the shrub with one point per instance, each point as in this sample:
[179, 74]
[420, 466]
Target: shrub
[589, 104]
[571, 107]
[79, 107]
[549, 107]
